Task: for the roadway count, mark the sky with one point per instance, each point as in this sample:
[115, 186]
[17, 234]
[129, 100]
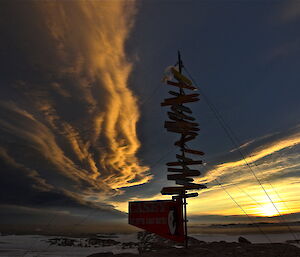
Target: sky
[81, 126]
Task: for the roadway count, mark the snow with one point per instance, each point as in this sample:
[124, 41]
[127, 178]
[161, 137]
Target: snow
[36, 246]
[254, 238]
[123, 238]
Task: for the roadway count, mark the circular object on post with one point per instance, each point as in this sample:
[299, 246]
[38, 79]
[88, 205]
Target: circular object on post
[172, 222]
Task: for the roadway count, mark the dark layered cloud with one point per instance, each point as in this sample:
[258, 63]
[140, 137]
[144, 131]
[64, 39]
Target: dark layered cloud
[290, 12]
[67, 116]
[270, 156]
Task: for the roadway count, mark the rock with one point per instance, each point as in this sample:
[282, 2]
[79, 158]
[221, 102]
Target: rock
[193, 241]
[243, 240]
[128, 245]
[101, 242]
[109, 254]
[217, 249]
[297, 241]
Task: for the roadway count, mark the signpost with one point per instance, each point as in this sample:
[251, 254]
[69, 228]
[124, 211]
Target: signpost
[169, 218]
[181, 122]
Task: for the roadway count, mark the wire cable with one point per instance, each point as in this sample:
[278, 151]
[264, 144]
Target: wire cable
[243, 210]
[229, 132]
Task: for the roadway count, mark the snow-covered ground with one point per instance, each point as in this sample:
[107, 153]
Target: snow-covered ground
[254, 238]
[37, 246]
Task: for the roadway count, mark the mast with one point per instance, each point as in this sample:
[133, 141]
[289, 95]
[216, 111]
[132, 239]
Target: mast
[183, 154]
[181, 123]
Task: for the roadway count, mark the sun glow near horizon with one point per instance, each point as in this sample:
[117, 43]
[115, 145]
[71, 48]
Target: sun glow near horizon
[267, 210]
[252, 201]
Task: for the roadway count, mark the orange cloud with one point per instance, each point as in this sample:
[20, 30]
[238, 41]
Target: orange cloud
[238, 180]
[236, 167]
[100, 63]
[78, 116]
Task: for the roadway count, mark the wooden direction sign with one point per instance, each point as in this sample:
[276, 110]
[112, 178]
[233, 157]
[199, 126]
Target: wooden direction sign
[175, 164]
[183, 180]
[193, 151]
[176, 118]
[181, 125]
[181, 96]
[186, 196]
[184, 163]
[186, 172]
[181, 77]
[189, 186]
[172, 190]
[180, 108]
[184, 131]
[163, 217]
[178, 115]
[174, 93]
[183, 158]
[183, 122]
[184, 169]
[180, 177]
[181, 85]
[180, 100]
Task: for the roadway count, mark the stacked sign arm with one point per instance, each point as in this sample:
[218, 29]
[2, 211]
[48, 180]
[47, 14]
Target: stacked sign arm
[181, 122]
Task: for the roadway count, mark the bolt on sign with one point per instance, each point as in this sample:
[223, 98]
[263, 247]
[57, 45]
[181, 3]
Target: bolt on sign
[162, 217]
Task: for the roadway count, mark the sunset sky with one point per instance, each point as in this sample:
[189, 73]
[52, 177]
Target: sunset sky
[81, 127]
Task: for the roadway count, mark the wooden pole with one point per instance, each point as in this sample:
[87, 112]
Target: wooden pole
[183, 154]
[185, 223]
[180, 69]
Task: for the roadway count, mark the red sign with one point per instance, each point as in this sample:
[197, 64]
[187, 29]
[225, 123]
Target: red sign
[163, 217]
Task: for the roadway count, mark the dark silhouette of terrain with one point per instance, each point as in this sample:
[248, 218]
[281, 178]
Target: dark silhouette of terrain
[151, 245]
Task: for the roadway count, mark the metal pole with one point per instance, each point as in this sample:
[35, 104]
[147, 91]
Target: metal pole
[180, 69]
[183, 154]
[185, 223]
